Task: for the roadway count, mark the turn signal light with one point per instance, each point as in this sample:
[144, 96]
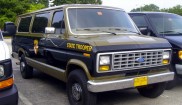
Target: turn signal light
[86, 54]
[104, 68]
[6, 83]
[165, 61]
[180, 54]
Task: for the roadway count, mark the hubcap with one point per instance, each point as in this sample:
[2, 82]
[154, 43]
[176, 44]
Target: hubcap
[76, 91]
[22, 66]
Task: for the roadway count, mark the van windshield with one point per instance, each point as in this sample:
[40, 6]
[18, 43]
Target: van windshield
[99, 20]
[167, 23]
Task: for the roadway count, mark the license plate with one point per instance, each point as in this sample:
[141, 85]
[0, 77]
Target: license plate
[140, 81]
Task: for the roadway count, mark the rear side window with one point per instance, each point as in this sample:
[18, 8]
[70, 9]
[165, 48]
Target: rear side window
[40, 22]
[58, 22]
[139, 20]
[24, 24]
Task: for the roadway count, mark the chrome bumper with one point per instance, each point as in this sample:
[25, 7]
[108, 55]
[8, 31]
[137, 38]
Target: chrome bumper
[94, 86]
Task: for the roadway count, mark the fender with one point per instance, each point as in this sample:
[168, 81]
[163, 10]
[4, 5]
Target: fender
[80, 64]
[23, 51]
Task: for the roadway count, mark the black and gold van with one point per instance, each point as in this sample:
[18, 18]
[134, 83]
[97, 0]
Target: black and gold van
[93, 49]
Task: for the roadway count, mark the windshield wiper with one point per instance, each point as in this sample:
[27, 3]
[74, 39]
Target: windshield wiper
[110, 32]
[114, 33]
[134, 32]
[93, 29]
[171, 32]
[123, 29]
[167, 32]
[117, 29]
[87, 29]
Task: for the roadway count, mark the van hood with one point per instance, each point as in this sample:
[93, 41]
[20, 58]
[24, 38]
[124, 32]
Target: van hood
[175, 40]
[4, 51]
[124, 42]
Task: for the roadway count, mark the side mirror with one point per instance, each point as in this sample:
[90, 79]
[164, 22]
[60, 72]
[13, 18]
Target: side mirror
[50, 30]
[144, 30]
[9, 29]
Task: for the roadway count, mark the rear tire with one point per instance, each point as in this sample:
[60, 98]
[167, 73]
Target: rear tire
[77, 91]
[153, 90]
[25, 69]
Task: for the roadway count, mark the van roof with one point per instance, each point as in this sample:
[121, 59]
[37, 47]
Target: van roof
[71, 5]
[148, 12]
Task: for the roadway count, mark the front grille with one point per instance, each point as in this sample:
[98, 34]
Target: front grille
[137, 59]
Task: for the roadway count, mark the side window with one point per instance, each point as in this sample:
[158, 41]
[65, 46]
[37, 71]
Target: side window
[24, 24]
[40, 22]
[139, 20]
[58, 22]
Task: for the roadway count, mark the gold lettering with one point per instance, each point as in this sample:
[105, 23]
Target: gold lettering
[79, 46]
[71, 45]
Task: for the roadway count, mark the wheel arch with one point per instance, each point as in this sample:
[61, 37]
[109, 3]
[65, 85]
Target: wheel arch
[20, 52]
[77, 64]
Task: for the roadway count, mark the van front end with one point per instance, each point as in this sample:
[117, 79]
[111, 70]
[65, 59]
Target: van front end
[131, 69]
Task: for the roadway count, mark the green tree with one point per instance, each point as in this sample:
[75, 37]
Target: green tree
[35, 6]
[9, 9]
[150, 7]
[44, 2]
[61, 2]
[176, 9]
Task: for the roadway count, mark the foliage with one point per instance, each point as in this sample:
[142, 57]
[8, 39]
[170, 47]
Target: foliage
[150, 7]
[61, 2]
[9, 9]
[176, 9]
[35, 6]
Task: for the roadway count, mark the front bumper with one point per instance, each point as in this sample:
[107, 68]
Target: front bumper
[9, 96]
[94, 86]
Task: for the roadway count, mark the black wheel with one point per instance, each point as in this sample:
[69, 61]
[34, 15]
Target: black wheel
[25, 69]
[171, 84]
[77, 91]
[153, 90]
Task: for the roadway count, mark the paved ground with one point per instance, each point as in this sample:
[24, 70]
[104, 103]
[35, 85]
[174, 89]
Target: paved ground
[45, 90]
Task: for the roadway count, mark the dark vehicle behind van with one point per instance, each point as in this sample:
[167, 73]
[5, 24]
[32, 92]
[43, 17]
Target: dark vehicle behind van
[164, 25]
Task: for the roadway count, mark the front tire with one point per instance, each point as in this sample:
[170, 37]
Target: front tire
[25, 69]
[77, 91]
[153, 90]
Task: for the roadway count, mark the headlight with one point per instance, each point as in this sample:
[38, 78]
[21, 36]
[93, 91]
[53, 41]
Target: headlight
[180, 54]
[104, 63]
[1, 71]
[104, 60]
[166, 55]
